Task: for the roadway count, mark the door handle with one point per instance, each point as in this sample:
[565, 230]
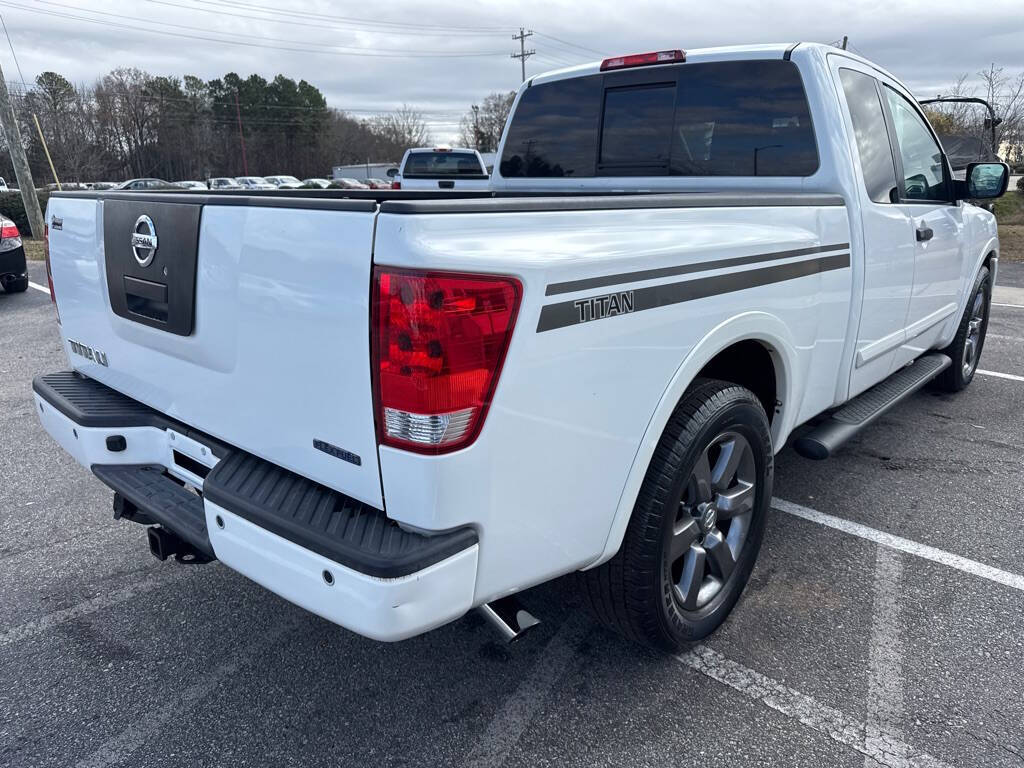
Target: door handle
[924, 233]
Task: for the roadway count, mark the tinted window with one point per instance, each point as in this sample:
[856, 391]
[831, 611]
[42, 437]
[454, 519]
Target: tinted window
[924, 176]
[636, 129]
[871, 134]
[741, 118]
[554, 131]
[434, 164]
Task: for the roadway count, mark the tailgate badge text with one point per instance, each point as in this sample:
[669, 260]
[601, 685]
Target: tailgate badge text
[88, 352]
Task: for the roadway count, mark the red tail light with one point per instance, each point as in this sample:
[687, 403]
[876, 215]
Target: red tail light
[643, 59]
[49, 272]
[439, 343]
[396, 185]
[8, 231]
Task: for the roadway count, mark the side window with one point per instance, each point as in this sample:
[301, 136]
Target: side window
[636, 132]
[924, 176]
[554, 130]
[871, 134]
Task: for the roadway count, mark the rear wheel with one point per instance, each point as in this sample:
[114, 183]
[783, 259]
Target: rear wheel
[697, 525]
[965, 351]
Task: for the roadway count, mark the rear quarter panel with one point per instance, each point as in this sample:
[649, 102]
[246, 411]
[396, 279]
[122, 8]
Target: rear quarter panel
[578, 408]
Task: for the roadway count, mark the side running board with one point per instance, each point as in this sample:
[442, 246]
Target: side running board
[828, 436]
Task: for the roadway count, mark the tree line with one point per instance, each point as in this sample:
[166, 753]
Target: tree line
[130, 123]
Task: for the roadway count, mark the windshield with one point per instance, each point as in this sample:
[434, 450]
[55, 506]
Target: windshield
[443, 165]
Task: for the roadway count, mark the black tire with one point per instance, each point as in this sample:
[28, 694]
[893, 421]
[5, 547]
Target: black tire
[965, 351]
[637, 593]
[16, 285]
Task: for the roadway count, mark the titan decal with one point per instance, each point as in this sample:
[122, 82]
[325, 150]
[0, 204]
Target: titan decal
[88, 352]
[600, 307]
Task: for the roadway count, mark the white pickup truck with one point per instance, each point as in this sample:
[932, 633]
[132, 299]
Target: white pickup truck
[455, 170]
[392, 408]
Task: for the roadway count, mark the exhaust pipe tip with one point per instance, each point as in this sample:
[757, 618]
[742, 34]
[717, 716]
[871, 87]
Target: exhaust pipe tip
[508, 616]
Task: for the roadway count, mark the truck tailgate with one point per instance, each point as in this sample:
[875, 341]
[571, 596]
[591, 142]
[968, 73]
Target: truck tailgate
[249, 323]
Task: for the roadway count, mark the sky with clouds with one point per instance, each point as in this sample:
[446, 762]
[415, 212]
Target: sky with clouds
[444, 55]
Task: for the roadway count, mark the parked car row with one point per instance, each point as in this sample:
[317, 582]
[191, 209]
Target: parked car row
[422, 168]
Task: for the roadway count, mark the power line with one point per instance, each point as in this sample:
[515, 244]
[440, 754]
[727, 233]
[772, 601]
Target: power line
[8, 34]
[229, 41]
[566, 42]
[349, 27]
[347, 19]
[259, 37]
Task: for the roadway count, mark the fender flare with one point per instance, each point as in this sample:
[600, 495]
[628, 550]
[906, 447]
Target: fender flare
[756, 326]
[991, 246]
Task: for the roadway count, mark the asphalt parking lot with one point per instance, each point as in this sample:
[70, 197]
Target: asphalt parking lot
[882, 625]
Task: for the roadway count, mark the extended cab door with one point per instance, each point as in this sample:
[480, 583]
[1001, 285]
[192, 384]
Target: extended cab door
[887, 236]
[926, 196]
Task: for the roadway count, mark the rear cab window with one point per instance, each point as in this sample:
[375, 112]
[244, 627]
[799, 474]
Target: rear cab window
[729, 118]
[443, 165]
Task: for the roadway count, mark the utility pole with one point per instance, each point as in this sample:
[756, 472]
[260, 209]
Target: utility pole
[241, 136]
[21, 170]
[476, 127]
[523, 54]
[846, 39]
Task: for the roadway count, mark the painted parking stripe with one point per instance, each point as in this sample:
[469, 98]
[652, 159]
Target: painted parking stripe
[1014, 306]
[39, 287]
[102, 601]
[917, 549]
[998, 375]
[808, 711]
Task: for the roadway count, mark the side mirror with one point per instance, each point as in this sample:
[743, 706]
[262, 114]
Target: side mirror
[392, 172]
[984, 181]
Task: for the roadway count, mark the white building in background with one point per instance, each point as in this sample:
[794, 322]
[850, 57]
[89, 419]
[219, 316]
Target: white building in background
[362, 171]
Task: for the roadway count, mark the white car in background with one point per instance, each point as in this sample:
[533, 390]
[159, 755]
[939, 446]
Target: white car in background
[444, 168]
[284, 182]
[190, 185]
[254, 182]
[223, 182]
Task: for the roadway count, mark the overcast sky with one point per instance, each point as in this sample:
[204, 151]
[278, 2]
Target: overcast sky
[443, 55]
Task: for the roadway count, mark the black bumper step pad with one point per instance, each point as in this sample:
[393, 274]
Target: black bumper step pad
[161, 499]
[300, 510]
[327, 522]
[91, 404]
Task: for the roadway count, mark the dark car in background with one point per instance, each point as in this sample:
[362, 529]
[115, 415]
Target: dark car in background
[13, 271]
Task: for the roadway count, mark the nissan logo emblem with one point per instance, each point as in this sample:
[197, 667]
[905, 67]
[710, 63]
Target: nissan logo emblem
[144, 240]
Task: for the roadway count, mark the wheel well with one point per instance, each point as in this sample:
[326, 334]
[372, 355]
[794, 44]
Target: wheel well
[750, 364]
[988, 258]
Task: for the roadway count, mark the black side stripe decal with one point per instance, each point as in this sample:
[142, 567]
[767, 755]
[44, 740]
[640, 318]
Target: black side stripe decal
[567, 313]
[684, 269]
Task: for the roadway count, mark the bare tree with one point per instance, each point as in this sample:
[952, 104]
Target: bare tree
[400, 130]
[482, 126]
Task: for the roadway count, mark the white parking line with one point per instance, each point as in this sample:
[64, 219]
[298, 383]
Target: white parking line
[1015, 306]
[924, 551]
[808, 711]
[885, 656]
[39, 287]
[998, 375]
[105, 600]
[516, 714]
[118, 748]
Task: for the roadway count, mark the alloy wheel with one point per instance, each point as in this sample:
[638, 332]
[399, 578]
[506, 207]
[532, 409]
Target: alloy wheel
[712, 520]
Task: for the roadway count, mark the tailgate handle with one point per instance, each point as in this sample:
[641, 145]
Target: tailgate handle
[146, 298]
[446, 184]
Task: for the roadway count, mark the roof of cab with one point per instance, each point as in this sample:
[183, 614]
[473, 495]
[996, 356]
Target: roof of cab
[721, 53]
